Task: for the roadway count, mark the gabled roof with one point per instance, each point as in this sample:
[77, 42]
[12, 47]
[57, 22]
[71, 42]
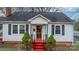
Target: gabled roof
[25, 16]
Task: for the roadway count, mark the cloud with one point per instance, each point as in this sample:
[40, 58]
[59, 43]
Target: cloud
[71, 9]
[72, 12]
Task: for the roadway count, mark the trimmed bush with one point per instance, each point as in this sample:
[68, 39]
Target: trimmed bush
[51, 42]
[26, 40]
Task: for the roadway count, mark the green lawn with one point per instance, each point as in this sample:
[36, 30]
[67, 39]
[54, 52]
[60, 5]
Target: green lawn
[73, 48]
[8, 49]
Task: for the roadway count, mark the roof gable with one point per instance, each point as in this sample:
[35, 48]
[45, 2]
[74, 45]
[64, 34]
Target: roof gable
[39, 15]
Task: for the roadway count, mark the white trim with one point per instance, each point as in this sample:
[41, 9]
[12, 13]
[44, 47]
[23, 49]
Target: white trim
[12, 29]
[61, 22]
[25, 22]
[38, 16]
[18, 28]
[14, 22]
[24, 28]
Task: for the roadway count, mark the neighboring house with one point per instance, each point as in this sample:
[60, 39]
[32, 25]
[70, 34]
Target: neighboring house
[76, 35]
[40, 25]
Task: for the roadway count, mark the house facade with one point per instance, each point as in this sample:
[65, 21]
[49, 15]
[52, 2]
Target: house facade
[40, 25]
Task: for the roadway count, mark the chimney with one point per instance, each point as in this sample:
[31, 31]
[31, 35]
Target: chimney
[8, 11]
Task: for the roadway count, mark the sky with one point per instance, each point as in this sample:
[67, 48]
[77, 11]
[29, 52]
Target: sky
[72, 12]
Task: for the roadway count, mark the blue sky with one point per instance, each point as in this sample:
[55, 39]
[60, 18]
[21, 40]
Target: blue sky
[72, 12]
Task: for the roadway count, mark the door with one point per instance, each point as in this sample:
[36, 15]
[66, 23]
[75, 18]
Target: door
[39, 31]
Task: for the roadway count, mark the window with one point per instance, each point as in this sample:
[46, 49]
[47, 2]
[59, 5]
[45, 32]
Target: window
[15, 29]
[57, 29]
[22, 29]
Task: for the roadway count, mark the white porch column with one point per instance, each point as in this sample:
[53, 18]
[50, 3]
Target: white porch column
[44, 31]
[49, 29]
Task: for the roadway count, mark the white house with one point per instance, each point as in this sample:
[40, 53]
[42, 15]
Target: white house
[39, 25]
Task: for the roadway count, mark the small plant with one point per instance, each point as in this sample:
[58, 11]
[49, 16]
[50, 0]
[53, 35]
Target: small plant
[26, 40]
[51, 42]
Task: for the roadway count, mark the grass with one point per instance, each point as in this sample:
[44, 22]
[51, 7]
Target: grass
[73, 48]
[8, 49]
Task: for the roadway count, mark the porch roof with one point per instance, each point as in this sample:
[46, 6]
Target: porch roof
[25, 16]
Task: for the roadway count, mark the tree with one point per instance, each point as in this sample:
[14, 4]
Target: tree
[26, 40]
[38, 9]
[51, 42]
[77, 26]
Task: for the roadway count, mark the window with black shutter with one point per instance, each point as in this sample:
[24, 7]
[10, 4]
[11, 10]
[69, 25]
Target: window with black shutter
[9, 29]
[52, 29]
[63, 29]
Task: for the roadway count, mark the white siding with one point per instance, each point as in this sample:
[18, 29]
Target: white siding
[68, 33]
[59, 37]
[12, 37]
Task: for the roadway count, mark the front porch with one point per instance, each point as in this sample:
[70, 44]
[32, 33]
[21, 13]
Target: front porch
[38, 31]
[39, 27]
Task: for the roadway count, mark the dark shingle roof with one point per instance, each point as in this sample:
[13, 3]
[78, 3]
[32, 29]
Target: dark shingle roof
[24, 16]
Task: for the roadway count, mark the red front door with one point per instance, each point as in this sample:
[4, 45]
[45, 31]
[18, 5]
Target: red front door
[39, 31]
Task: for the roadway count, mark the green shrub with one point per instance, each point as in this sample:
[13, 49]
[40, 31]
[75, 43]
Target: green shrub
[26, 40]
[51, 42]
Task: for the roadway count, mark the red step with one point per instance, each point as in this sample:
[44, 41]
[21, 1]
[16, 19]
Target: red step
[38, 45]
[38, 49]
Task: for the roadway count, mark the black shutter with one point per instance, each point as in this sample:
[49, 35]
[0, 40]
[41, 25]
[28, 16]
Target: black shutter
[9, 29]
[52, 29]
[63, 29]
[27, 28]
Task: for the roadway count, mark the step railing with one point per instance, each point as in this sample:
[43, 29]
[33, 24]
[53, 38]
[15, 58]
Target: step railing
[33, 36]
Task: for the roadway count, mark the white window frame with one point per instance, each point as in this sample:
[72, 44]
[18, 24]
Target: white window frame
[24, 28]
[12, 28]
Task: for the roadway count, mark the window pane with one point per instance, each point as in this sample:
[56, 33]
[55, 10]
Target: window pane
[57, 29]
[22, 30]
[15, 29]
